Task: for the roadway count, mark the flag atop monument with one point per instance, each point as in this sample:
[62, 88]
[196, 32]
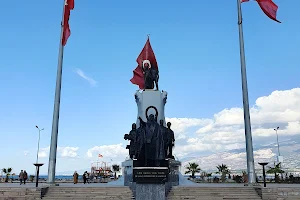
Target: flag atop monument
[268, 7]
[146, 54]
[69, 5]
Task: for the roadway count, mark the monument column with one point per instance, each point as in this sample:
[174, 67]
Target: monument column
[153, 174]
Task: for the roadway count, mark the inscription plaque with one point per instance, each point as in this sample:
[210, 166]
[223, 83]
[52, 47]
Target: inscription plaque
[149, 175]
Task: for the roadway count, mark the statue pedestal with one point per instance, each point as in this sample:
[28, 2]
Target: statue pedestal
[174, 166]
[150, 192]
[127, 172]
[151, 182]
[150, 102]
[154, 183]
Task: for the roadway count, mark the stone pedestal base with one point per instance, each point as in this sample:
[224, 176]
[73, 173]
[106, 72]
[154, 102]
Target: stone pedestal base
[127, 172]
[150, 192]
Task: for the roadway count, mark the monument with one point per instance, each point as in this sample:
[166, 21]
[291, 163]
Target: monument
[151, 170]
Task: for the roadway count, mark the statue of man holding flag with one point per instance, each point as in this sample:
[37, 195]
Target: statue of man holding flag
[146, 74]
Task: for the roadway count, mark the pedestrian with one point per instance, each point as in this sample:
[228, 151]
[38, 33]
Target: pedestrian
[75, 177]
[84, 177]
[25, 177]
[91, 177]
[21, 176]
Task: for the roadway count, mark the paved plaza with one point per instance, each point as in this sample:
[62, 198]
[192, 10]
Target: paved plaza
[31, 185]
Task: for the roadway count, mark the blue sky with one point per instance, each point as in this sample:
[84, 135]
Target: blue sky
[196, 46]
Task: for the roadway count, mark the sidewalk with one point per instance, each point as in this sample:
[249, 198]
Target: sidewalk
[32, 185]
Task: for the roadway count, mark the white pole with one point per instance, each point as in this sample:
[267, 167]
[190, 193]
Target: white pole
[247, 123]
[55, 122]
[38, 149]
[277, 143]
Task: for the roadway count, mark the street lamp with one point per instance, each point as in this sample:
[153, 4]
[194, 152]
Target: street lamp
[264, 172]
[38, 165]
[38, 149]
[276, 129]
[278, 158]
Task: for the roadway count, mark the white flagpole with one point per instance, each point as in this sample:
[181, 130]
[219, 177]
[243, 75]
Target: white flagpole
[55, 121]
[247, 123]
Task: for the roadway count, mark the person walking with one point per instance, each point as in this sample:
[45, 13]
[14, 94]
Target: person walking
[25, 177]
[75, 177]
[21, 177]
[84, 177]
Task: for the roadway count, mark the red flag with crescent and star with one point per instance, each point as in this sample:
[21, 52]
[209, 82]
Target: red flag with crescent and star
[146, 54]
[69, 5]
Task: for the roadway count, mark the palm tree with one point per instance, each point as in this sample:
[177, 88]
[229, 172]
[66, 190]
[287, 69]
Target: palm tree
[192, 168]
[223, 169]
[7, 172]
[116, 168]
[275, 170]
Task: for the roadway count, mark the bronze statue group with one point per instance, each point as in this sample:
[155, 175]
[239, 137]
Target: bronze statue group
[151, 143]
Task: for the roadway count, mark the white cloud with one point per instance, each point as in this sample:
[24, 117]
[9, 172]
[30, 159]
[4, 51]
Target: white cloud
[80, 73]
[182, 124]
[68, 152]
[225, 131]
[116, 152]
[44, 152]
[26, 153]
[64, 152]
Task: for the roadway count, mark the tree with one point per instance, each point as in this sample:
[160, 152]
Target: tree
[116, 168]
[223, 170]
[7, 172]
[275, 170]
[192, 168]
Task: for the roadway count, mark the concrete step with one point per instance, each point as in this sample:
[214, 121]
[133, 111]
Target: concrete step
[15, 193]
[83, 197]
[210, 193]
[82, 193]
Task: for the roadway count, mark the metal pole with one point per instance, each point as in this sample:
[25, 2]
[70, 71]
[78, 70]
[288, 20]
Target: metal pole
[278, 150]
[264, 175]
[38, 149]
[55, 122]
[277, 145]
[247, 123]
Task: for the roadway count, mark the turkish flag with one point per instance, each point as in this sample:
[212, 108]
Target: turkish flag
[69, 5]
[146, 54]
[269, 8]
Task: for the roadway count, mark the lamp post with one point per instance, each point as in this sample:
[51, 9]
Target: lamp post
[278, 158]
[38, 149]
[264, 172]
[38, 165]
[276, 129]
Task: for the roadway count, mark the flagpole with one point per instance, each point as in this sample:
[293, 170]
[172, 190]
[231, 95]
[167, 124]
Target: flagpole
[55, 121]
[247, 123]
